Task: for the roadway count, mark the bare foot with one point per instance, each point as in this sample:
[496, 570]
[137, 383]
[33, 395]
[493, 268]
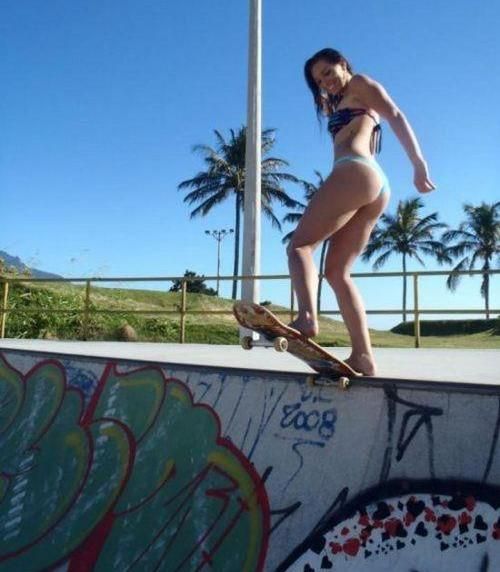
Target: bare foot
[305, 325]
[363, 363]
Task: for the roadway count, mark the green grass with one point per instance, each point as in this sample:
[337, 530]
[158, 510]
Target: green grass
[200, 328]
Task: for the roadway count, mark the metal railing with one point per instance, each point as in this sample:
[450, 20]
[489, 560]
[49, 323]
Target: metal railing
[183, 311]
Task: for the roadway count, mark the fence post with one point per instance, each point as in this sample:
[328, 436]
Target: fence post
[416, 314]
[86, 311]
[3, 317]
[183, 312]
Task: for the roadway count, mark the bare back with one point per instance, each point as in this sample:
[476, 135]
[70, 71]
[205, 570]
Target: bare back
[356, 137]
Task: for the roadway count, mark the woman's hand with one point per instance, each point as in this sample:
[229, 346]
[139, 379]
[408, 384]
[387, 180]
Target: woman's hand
[421, 178]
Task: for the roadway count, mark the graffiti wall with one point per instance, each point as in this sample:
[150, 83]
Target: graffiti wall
[114, 466]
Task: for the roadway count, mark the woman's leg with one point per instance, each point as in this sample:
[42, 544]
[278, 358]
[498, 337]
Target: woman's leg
[349, 187]
[345, 246]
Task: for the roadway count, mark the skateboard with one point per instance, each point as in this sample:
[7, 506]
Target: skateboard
[284, 338]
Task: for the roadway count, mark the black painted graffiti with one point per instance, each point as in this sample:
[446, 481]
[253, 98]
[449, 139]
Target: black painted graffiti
[264, 420]
[441, 517]
[285, 513]
[238, 403]
[422, 415]
[282, 513]
[315, 539]
[493, 447]
[298, 442]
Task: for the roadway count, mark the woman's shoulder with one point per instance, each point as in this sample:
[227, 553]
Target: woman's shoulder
[362, 81]
[365, 90]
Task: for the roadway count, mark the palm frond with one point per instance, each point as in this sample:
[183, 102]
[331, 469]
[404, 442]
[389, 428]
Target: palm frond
[271, 163]
[376, 244]
[450, 235]
[292, 218]
[280, 176]
[268, 212]
[220, 139]
[270, 193]
[286, 239]
[454, 278]
[207, 205]
[416, 255]
[381, 260]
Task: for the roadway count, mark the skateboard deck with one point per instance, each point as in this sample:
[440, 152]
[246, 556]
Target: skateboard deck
[261, 320]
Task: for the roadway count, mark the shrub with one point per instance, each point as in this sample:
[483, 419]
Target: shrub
[448, 327]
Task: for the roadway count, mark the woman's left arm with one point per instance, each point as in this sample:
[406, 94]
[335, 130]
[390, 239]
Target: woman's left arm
[375, 97]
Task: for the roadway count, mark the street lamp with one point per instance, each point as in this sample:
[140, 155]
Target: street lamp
[219, 236]
[253, 151]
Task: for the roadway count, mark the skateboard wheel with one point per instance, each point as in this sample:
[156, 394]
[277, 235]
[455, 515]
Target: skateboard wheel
[247, 343]
[280, 344]
[344, 382]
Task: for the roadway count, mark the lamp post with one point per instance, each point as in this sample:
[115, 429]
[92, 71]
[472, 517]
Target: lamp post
[219, 236]
[252, 211]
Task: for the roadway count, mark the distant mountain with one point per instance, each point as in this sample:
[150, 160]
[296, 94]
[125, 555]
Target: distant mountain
[18, 264]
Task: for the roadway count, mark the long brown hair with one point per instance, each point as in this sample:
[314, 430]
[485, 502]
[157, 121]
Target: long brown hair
[332, 57]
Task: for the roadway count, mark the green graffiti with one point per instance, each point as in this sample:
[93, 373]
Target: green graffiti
[142, 480]
[59, 478]
[11, 396]
[189, 500]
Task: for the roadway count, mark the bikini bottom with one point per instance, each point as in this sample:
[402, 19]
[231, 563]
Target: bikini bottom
[385, 188]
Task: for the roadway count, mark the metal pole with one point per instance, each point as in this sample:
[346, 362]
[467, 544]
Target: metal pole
[86, 311]
[251, 222]
[4, 308]
[218, 263]
[183, 312]
[416, 313]
[219, 235]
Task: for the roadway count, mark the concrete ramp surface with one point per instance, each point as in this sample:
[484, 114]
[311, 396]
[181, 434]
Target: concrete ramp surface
[119, 465]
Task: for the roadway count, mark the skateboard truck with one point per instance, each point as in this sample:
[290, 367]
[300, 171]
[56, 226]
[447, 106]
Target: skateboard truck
[323, 381]
[280, 344]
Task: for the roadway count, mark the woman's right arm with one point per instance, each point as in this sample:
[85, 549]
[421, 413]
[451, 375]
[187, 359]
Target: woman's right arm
[402, 128]
[374, 96]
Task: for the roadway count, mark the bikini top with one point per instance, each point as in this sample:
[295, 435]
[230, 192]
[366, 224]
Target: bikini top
[341, 117]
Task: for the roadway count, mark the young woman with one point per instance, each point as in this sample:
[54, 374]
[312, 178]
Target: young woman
[345, 209]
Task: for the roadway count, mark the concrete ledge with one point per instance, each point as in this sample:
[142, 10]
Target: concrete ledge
[440, 365]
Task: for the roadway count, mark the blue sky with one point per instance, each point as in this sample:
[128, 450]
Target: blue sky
[101, 103]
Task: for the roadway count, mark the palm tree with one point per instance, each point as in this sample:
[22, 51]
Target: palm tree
[294, 217]
[408, 234]
[476, 239]
[224, 178]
